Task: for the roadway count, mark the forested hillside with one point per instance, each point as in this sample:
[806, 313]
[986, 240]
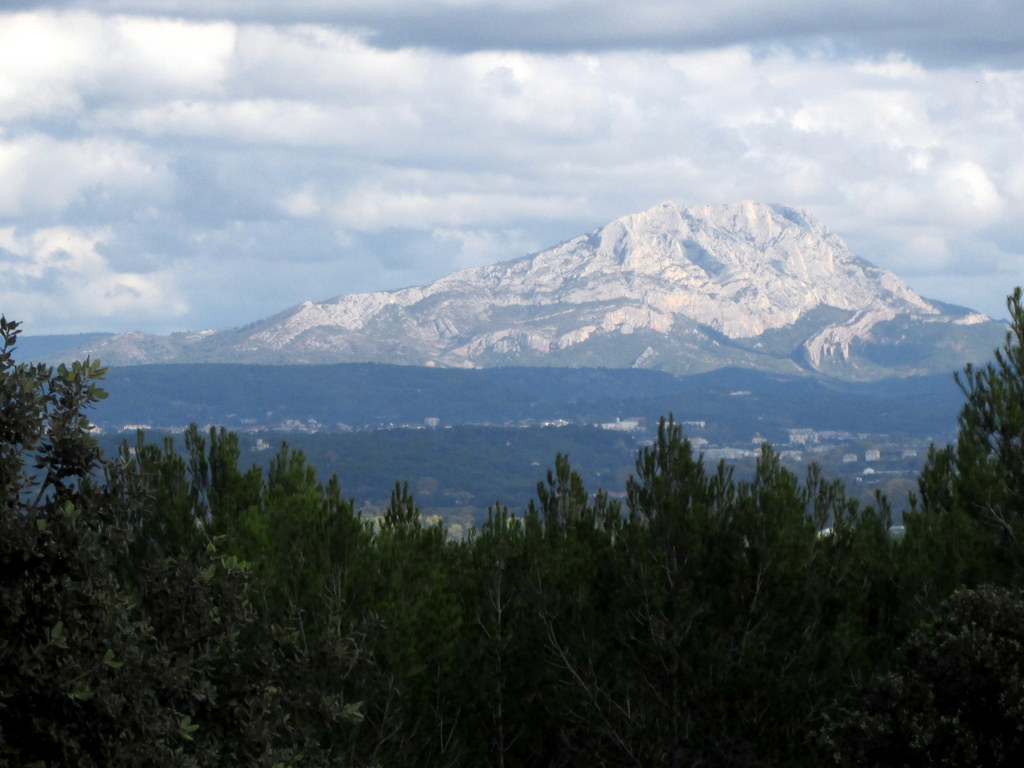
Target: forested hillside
[733, 403]
[160, 608]
[455, 473]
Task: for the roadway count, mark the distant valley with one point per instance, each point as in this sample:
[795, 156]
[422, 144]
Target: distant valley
[465, 439]
[733, 404]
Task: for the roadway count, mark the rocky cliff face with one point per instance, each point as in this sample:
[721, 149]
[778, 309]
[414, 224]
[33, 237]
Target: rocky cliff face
[674, 288]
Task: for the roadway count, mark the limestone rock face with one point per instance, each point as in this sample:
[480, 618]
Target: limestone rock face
[674, 288]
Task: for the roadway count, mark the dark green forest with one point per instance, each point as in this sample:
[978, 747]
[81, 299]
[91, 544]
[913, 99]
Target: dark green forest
[455, 473]
[167, 607]
[369, 396]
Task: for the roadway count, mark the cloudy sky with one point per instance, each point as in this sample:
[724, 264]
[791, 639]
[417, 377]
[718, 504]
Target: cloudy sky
[178, 165]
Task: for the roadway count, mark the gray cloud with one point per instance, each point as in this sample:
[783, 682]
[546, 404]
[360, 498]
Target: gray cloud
[936, 31]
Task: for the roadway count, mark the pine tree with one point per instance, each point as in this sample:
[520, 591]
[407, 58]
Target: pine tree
[974, 491]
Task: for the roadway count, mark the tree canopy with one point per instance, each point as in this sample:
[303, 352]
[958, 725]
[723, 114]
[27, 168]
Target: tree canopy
[168, 606]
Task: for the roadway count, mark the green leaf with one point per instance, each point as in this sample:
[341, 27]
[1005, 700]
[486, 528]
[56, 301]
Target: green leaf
[81, 692]
[186, 727]
[108, 659]
[353, 712]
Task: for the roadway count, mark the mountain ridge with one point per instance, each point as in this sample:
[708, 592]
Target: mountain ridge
[672, 288]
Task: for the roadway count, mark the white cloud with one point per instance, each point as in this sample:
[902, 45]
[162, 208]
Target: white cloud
[43, 58]
[327, 63]
[58, 64]
[170, 55]
[376, 209]
[473, 247]
[43, 175]
[967, 194]
[301, 204]
[230, 145]
[51, 274]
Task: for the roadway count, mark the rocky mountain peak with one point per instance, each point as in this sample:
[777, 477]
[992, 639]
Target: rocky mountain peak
[677, 288]
[740, 268]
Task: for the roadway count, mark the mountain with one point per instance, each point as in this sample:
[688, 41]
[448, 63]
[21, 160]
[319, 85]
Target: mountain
[678, 289]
